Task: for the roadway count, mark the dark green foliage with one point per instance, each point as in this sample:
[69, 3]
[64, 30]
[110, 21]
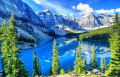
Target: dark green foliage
[39, 67]
[25, 39]
[114, 67]
[69, 70]
[11, 63]
[35, 71]
[55, 60]
[50, 71]
[79, 67]
[4, 30]
[101, 34]
[93, 64]
[85, 66]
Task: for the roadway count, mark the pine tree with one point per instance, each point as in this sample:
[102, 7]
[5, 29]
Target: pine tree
[13, 66]
[35, 71]
[101, 63]
[69, 70]
[104, 65]
[115, 49]
[93, 64]
[50, 71]
[62, 71]
[79, 67]
[85, 66]
[4, 30]
[55, 60]
[39, 67]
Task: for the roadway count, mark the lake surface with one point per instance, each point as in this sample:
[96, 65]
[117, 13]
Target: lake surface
[67, 51]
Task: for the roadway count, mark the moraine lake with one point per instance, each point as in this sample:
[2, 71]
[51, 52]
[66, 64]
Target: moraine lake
[67, 51]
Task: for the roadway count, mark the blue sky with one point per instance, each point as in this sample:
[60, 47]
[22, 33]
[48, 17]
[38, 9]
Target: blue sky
[75, 8]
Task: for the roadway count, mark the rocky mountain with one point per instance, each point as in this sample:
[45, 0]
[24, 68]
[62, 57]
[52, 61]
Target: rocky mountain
[105, 19]
[89, 21]
[57, 20]
[28, 23]
[51, 23]
[92, 21]
[47, 18]
[86, 21]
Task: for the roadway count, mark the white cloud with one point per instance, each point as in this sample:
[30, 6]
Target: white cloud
[117, 10]
[105, 11]
[84, 8]
[73, 7]
[37, 1]
[55, 6]
[71, 14]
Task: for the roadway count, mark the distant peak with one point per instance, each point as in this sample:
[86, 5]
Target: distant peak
[46, 10]
[87, 15]
[58, 14]
[73, 18]
[66, 17]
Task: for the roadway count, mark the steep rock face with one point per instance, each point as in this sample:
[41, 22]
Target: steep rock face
[20, 9]
[26, 18]
[59, 19]
[106, 19]
[47, 18]
[71, 23]
[51, 22]
[67, 22]
[89, 21]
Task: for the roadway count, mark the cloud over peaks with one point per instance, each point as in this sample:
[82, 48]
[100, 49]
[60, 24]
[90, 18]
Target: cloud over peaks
[105, 11]
[84, 9]
[117, 10]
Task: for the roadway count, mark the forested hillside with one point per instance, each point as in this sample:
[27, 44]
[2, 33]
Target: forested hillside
[101, 34]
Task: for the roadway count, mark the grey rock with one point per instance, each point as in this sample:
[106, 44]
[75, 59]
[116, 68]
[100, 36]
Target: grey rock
[47, 18]
[92, 21]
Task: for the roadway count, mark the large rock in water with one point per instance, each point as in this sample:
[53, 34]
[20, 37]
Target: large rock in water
[26, 18]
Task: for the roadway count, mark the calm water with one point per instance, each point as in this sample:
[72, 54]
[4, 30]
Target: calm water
[67, 51]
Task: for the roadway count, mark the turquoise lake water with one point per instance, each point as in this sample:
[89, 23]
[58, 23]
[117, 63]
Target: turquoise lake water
[67, 51]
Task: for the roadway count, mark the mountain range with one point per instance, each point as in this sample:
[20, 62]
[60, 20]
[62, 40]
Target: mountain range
[44, 24]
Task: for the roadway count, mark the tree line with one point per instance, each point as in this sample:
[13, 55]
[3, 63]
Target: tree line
[101, 34]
